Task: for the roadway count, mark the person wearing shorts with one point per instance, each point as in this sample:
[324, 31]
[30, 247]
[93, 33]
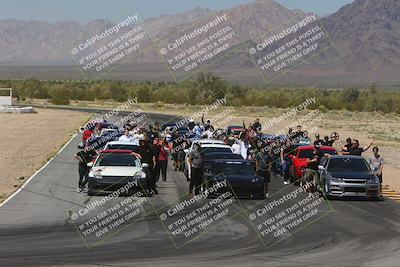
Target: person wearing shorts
[263, 163]
[376, 164]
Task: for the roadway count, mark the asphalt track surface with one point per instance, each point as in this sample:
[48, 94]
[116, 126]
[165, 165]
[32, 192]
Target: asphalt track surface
[36, 230]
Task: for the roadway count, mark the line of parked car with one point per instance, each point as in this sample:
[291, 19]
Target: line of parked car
[338, 176]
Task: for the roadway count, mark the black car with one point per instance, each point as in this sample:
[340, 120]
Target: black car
[241, 178]
[342, 176]
[210, 158]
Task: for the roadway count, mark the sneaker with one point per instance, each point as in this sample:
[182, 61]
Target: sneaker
[285, 182]
[79, 190]
[191, 195]
[266, 195]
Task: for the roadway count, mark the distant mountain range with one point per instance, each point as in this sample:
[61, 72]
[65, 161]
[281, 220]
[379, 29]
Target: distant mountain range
[365, 36]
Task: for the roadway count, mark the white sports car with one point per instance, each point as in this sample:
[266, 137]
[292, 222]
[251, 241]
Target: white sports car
[115, 170]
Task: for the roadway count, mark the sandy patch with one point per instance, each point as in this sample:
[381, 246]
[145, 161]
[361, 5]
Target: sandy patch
[27, 141]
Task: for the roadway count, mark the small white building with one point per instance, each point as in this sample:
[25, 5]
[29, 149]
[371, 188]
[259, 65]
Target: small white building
[6, 103]
[5, 97]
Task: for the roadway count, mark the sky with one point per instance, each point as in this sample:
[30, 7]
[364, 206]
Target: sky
[84, 11]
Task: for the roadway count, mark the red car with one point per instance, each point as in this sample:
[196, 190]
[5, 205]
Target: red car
[235, 131]
[300, 156]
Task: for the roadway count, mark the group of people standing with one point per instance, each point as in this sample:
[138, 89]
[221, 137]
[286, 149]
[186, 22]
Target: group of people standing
[156, 147]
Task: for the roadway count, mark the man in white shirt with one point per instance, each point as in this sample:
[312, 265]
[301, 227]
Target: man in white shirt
[236, 147]
[126, 137]
[209, 133]
[244, 147]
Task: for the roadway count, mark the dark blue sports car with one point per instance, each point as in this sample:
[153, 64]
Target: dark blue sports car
[241, 178]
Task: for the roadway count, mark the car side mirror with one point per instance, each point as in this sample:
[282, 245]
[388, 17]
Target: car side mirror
[145, 165]
[90, 164]
[321, 168]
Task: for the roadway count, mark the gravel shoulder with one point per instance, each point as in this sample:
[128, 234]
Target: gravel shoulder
[27, 141]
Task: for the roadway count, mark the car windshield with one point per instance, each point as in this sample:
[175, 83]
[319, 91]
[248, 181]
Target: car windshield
[308, 153]
[212, 156]
[322, 152]
[348, 165]
[121, 147]
[235, 168]
[207, 150]
[117, 159]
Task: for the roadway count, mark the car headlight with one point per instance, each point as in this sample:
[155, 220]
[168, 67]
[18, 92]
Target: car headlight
[97, 175]
[139, 175]
[336, 180]
[373, 181]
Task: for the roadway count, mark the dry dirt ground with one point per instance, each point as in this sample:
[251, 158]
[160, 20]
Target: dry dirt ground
[27, 141]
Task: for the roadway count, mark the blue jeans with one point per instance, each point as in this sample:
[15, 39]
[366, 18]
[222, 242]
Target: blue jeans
[285, 169]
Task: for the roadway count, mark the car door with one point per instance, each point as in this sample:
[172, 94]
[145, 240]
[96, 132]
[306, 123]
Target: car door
[322, 173]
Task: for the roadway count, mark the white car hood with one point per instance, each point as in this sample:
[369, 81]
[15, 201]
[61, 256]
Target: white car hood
[116, 171]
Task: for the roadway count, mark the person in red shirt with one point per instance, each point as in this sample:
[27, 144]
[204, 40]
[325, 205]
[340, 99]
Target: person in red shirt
[162, 160]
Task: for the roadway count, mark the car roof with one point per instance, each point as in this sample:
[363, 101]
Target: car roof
[215, 146]
[208, 141]
[346, 157]
[114, 151]
[223, 153]
[312, 147]
[121, 143]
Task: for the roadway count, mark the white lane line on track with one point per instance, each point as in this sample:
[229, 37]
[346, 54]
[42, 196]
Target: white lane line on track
[38, 171]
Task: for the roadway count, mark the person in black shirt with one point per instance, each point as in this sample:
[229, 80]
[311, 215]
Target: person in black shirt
[348, 143]
[84, 156]
[355, 148]
[298, 134]
[196, 164]
[146, 155]
[312, 170]
[318, 141]
[328, 142]
[256, 126]
[274, 153]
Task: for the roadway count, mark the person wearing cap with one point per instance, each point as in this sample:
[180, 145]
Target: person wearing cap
[318, 141]
[191, 124]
